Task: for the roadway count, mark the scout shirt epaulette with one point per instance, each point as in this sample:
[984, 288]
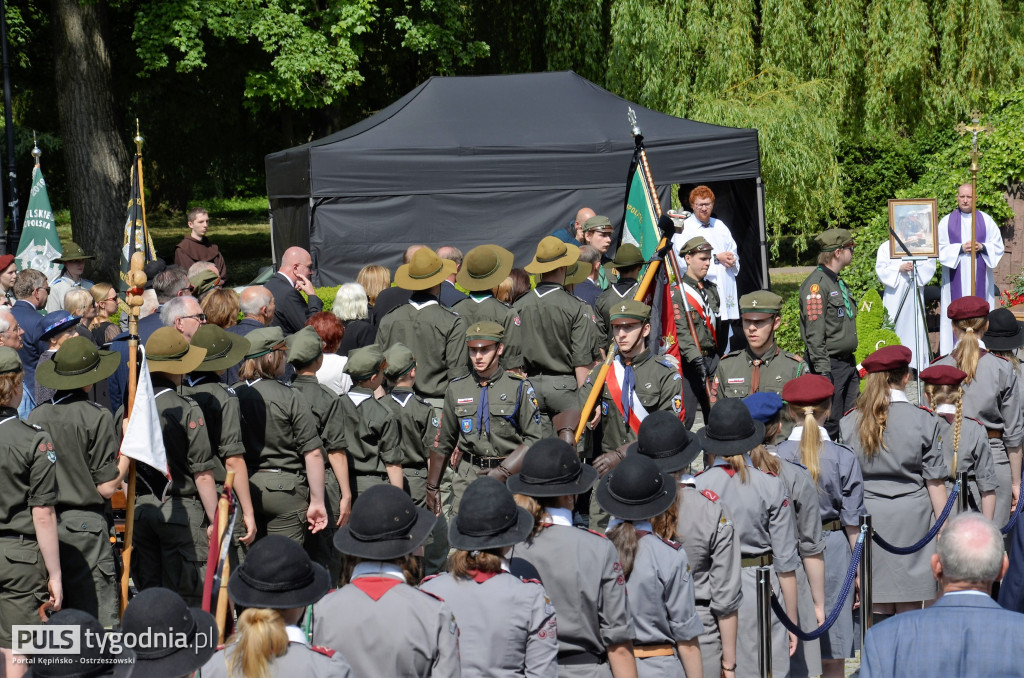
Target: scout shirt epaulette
[587, 529]
[429, 577]
[674, 544]
[428, 593]
[937, 359]
[665, 361]
[38, 428]
[326, 651]
[975, 421]
[730, 354]
[528, 580]
[710, 495]
[458, 378]
[96, 404]
[513, 375]
[928, 410]
[849, 410]
[795, 463]
[793, 356]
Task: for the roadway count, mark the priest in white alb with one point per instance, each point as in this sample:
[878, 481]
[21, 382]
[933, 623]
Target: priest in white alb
[955, 245]
[909, 325]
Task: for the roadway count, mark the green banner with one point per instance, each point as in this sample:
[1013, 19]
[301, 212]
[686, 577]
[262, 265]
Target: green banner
[640, 226]
[39, 246]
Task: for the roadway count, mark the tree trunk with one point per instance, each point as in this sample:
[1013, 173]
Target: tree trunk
[96, 156]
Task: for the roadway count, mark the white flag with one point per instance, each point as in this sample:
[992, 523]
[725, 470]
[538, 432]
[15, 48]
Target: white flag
[143, 440]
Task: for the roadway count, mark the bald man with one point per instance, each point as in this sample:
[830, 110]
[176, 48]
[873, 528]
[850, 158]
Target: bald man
[293, 277]
[573, 233]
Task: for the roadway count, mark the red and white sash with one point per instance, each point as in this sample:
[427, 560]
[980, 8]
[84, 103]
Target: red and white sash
[637, 412]
[696, 302]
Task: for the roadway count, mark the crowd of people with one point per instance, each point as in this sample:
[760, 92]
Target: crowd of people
[428, 484]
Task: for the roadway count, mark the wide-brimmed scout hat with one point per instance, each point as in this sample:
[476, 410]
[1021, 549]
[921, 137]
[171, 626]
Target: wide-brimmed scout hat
[760, 305]
[56, 322]
[400, 359]
[73, 252]
[278, 574]
[10, 361]
[483, 333]
[484, 267]
[96, 656]
[223, 349]
[636, 489]
[263, 340]
[168, 352]
[577, 273]
[551, 468]
[1004, 332]
[834, 239]
[552, 253]
[730, 429]
[304, 347]
[694, 245]
[203, 282]
[488, 518]
[424, 270]
[663, 439]
[627, 256]
[162, 611]
[364, 362]
[385, 524]
[77, 363]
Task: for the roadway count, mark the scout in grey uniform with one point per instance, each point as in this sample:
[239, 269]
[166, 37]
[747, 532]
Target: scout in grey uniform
[840, 483]
[657, 571]
[483, 269]
[828, 325]
[558, 332]
[904, 475]
[486, 415]
[170, 536]
[420, 427]
[965, 448]
[275, 585]
[88, 474]
[628, 261]
[28, 522]
[506, 624]
[764, 527]
[580, 569]
[374, 437]
[378, 621]
[305, 354]
[223, 418]
[159, 610]
[992, 395]
[432, 332]
[282, 448]
[73, 258]
[699, 360]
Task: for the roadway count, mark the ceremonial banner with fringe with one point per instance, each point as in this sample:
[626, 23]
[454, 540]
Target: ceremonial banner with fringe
[39, 247]
[136, 233]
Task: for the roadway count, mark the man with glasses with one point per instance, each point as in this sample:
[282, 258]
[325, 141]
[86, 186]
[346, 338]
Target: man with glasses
[828, 325]
[293, 277]
[183, 314]
[32, 290]
[10, 331]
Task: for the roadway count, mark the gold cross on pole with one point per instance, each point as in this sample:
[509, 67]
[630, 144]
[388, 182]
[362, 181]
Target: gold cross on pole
[974, 128]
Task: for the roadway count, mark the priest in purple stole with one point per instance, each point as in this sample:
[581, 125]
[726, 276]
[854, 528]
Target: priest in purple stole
[955, 257]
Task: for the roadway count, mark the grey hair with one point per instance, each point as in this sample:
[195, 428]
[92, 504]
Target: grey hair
[350, 302]
[5, 318]
[169, 282]
[253, 299]
[970, 549]
[77, 300]
[589, 254]
[178, 307]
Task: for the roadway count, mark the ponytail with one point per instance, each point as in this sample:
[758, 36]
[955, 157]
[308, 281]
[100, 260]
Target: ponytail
[764, 460]
[811, 443]
[967, 351]
[666, 525]
[739, 464]
[623, 536]
[260, 638]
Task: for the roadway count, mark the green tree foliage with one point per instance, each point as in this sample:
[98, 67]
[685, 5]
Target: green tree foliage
[731, 32]
[786, 44]
[649, 66]
[837, 51]
[576, 37]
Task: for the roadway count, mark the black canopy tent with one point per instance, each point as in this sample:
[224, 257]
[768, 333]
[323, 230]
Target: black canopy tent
[506, 159]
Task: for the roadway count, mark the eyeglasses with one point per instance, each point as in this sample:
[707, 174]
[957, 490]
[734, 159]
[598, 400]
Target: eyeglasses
[44, 288]
[201, 317]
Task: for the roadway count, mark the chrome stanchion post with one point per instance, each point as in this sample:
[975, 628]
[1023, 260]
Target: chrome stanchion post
[865, 578]
[764, 622]
[961, 499]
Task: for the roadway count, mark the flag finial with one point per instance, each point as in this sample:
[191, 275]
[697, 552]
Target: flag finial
[632, 122]
[138, 138]
[36, 151]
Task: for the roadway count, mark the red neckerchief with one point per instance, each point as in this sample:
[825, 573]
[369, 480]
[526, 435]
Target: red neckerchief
[375, 587]
[480, 577]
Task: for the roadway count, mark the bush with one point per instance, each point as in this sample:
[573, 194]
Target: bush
[788, 335]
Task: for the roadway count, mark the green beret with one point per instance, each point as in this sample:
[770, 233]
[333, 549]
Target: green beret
[628, 255]
[633, 310]
[760, 304]
[597, 223]
[304, 347]
[264, 340]
[694, 245]
[834, 239]
[486, 331]
[9, 361]
[400, 360]
[364, 362]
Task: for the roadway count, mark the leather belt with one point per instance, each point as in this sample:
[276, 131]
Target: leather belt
[764, 559]
[581, 659]
[833, 525]
[995, 432]
[483, 462]
[654, 650]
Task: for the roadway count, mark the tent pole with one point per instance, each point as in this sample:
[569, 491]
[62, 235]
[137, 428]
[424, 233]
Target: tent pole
[765, 283]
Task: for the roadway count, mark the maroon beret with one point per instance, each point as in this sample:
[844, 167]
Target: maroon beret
[809, 389]
[943, 375]
[887, 358]
[965, 308]
[5, 261]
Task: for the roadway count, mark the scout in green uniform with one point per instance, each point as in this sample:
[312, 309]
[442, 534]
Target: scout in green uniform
[597, 232]
[699, 360]
[88, 474]
[28, 522]
[282, 448]
[306, 355]
[482, 271]
[170, 536]
[374, 435]
[558, 331]
[420, 424]
[486, 415]
[433, 332]
[223, 417]
[628, 261]
[828, 325]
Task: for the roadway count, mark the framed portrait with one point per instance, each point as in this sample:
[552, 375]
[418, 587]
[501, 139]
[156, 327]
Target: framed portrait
[916, 222]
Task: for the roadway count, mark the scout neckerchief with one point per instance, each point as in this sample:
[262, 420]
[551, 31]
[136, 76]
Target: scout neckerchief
[842, 288]
[755, 373]
[621, 385]
[699, 303]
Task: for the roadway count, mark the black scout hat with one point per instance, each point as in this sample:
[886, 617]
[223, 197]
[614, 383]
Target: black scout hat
[488, 518]
[160, 610]
[551, 468]
[731, 429]
[665, 440]
[94, 659]
[636, 489]
[385, 525]
[1004, 332]
[278, 574]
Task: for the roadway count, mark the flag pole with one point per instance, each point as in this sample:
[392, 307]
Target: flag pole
[223, 507]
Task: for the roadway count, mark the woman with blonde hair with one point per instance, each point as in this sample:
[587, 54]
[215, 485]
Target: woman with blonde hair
[840, 492]
[965, 448]
[904, 478]
[272, 589]
[991, 394]
[79, 302]
[221, 307]
[375, 279]
[104, 296]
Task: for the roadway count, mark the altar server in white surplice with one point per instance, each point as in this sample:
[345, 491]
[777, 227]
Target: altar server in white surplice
[895, 275]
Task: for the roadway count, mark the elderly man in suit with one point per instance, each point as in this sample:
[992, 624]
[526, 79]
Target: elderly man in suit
[965, 633]
[291, 310]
